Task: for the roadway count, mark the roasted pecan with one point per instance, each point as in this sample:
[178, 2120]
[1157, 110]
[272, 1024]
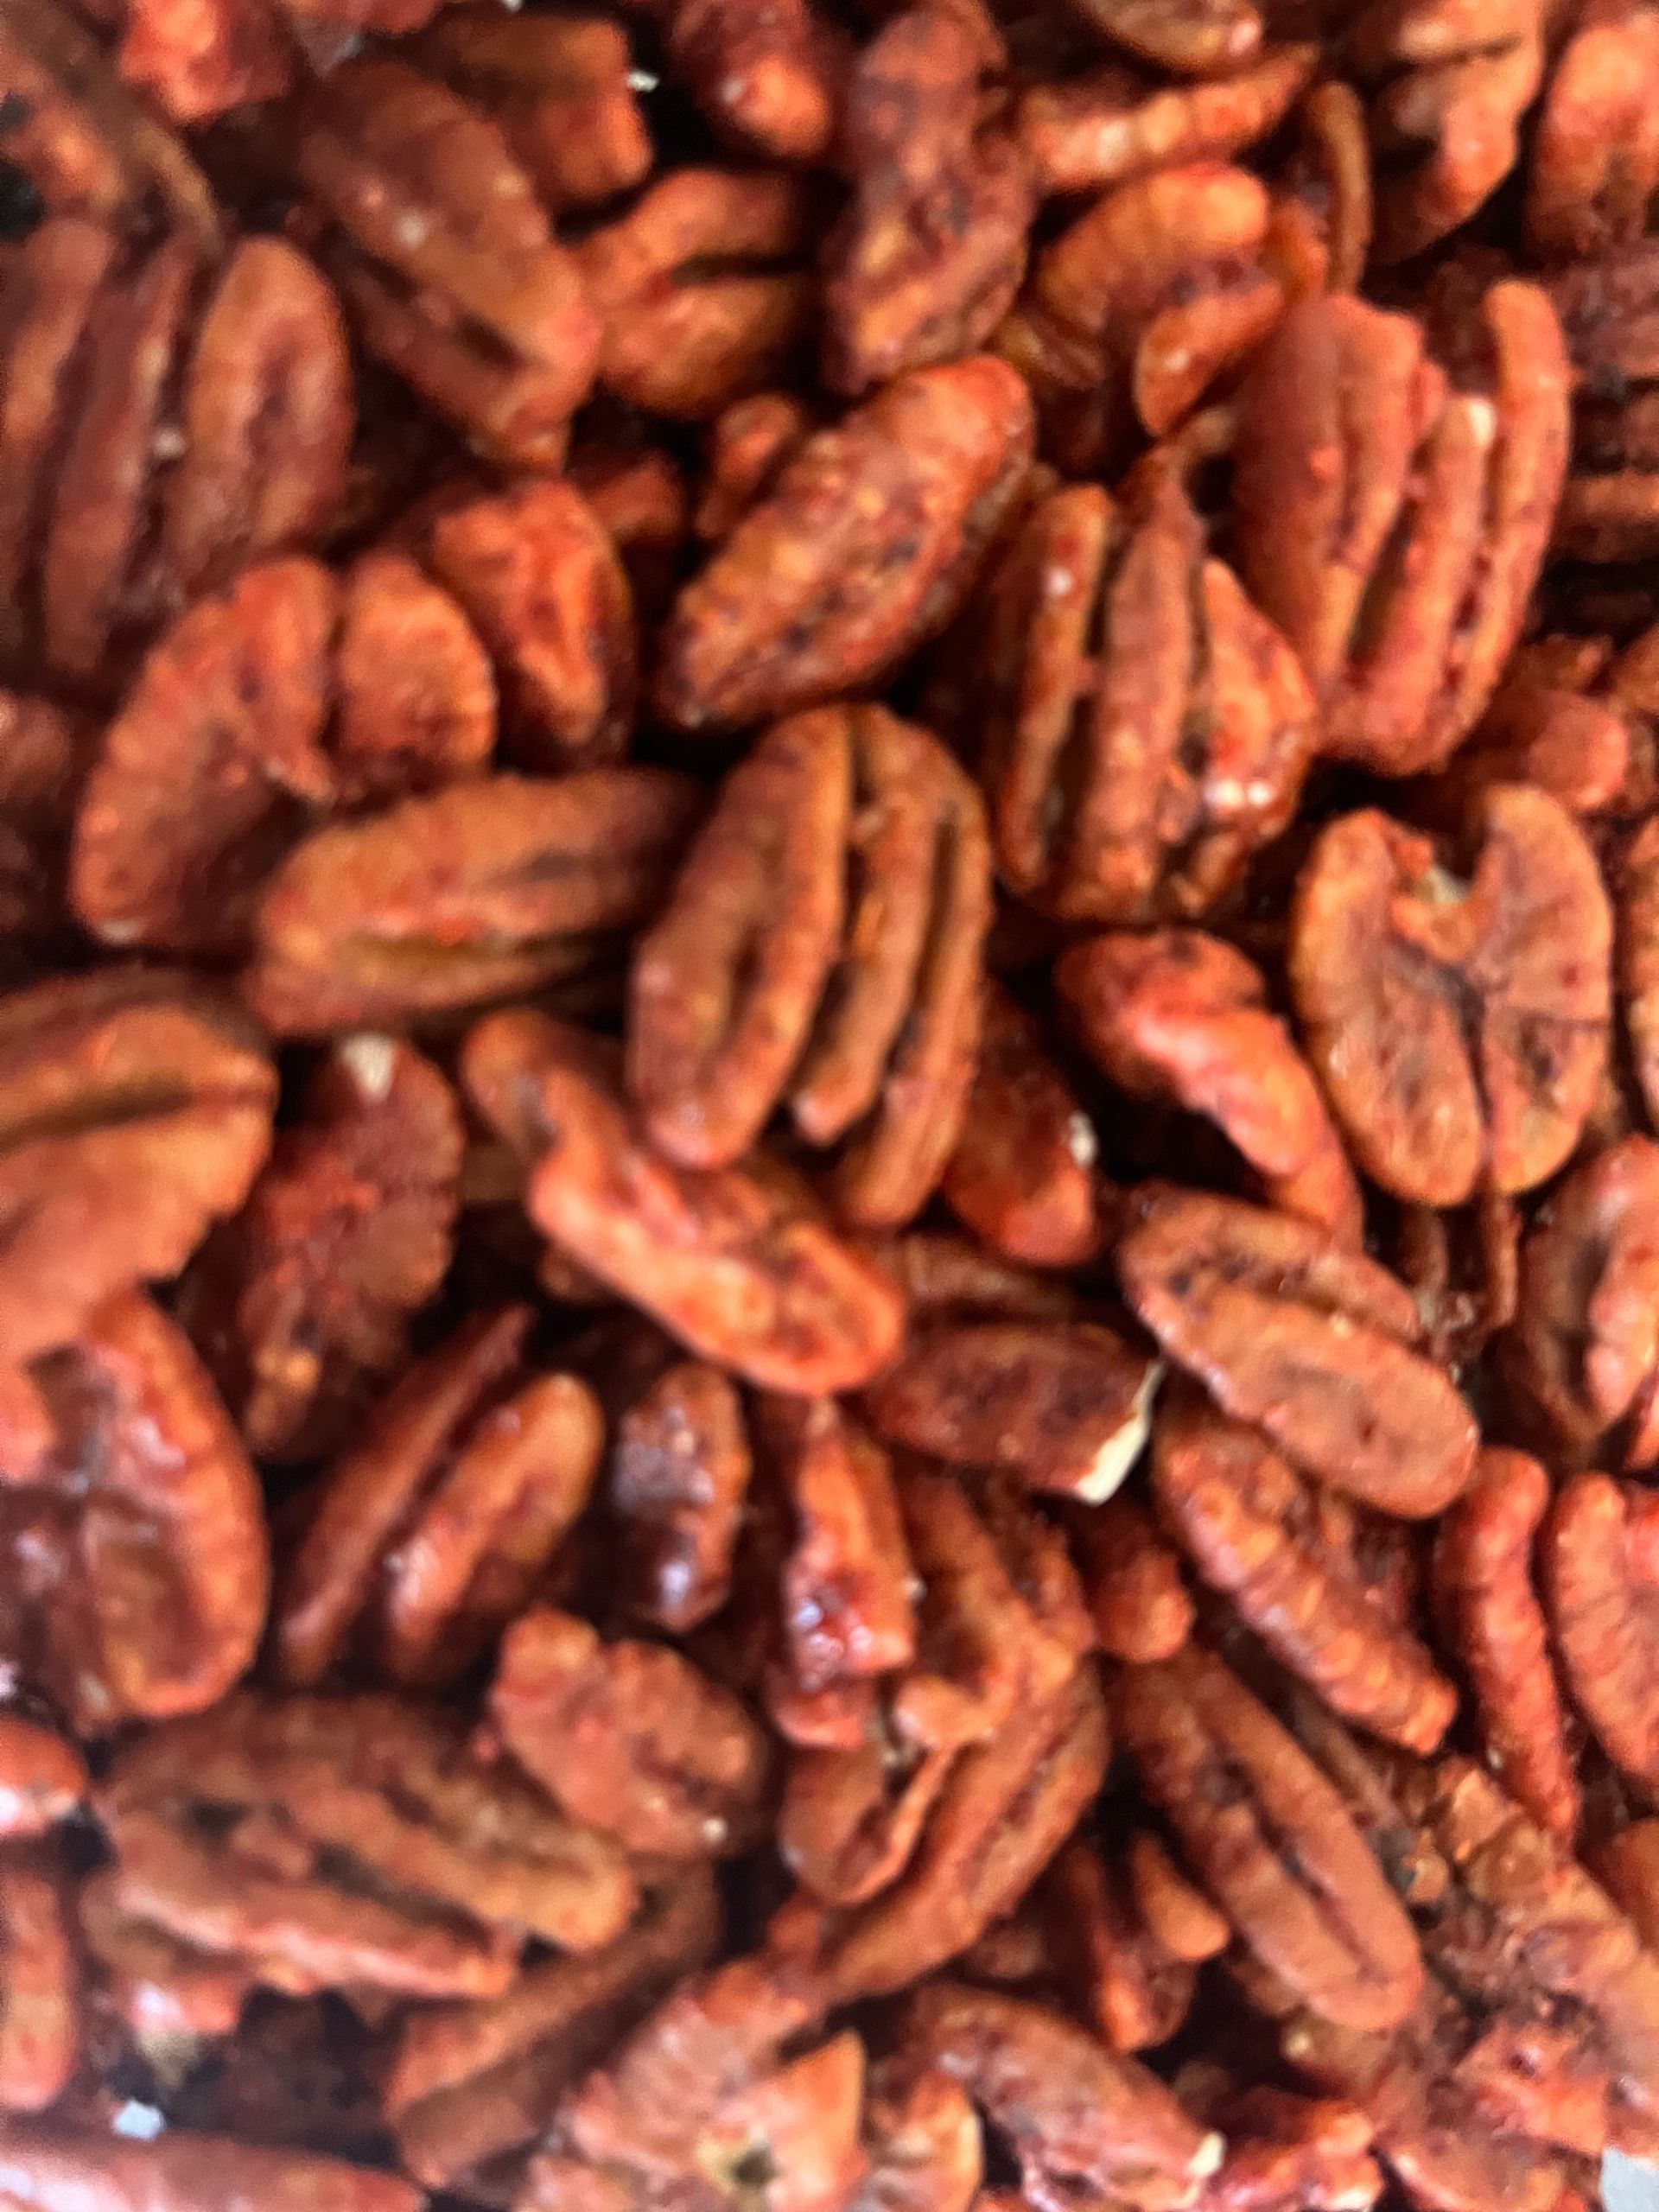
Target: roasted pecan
[799, 2124]
[703, 290]
[1270, 1840]
[1132, 1581]
[735, 1261]
[1610, 506]
[1114, 122]
[1145, 728]
[468, 2081]
[1555, 722]
[1179, 1915]
[538, 573]
[849, 1819]
[811, 595]
[1179, 1015]
[426, 1538]
[43, 751]
[303, 1302]
[496, 887]
[557, 86]
[822, 944]
[1600, 1556]
[43, 1777]
[630, 1738]
[1307, 1569]
[39, 1996]
[1627, 1866]
[1323, 211]
[1136, 1995]
[1285, 2152]
[351, 1842]
[1198, 38]
[746, 449]
[1585, 1347]
[40, 2168]
[926, 261]
[161, 425]
[1080, 2118]
[1594, 164]
[678, 1477]
[1392, 525]
[766, 73]
[1483, 1586]
[134, 1112]
[1307, 1341]
[443, 255]
[1065, 1407]
[924, 2141]
[1134, 313]
[1460, 1035]
[1449, 84]
[1638, 958]
[249, 717]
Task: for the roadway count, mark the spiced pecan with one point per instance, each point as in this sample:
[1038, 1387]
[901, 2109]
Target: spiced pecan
[1135, 1992]
[766, 74]
[735, 1261]
[1132, 1581]
[807, 597]
[1599, 1551]
[1269, 1838]
[44, 752]
[43, 1777]
[303, 1302]
[180, 2172]
[1145, 728]
[1595, 162]
[746, 448]
[821, 944]
[40, 1995]
[677, 1481]
[1609, 505]
[1182, 1015]
[1393, 524]
[1303, 1339]
[1638, 958]
[1487, 1061]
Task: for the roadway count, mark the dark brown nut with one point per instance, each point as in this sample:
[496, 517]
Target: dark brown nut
[1066, 1407]
[43, 750]
[1006, 1806]
[822, 944]
[43, 1777]
[1132, 1581]
[184, 2173]
[1179, 1917]
[747, 448]
[1449, 85]
[467, 2081]
[443, 255]
[40, 2007]
[1179, 1015]
[138, 1566]
[631, 1739]
[923, 2140]
[85, 144]
[1610, 506]
[1021, 1174]
[1136, 1996]
[849, 1819]
[1081, 2120]
[1299, 1338]
[494, 887]
[703, 290]
[301, 1304]
[1001, 1619]
[846, 1584]
[1599, 1552]
[766, 74]
[1585, 1347]
[251, 716]
[539, 575]
[1393, 527]
[1131, 315]
[1086, 133]
[1298, 1564]
[678, 1478]
[162, 426]
[864, 548]
[1145, 728]
[1594, 164]
[927, 259]
[558, 88]
[1270, 1840]
[134, 1112]
[733, 1261]
[1460, 1035]
[426, 1538]
[1484, 1590]
[351, 1843]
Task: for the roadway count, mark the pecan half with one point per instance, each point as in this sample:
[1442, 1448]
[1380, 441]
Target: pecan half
[1600, 1557]
[184, 2173]
[678, 1477]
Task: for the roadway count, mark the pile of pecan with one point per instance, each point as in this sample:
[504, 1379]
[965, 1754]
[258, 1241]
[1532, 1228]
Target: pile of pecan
[829, 1104]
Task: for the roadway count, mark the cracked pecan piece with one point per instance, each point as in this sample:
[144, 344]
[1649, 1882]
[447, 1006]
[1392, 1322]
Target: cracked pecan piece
[822, 945]
[1460, 1033]
[1393, 523]
[1145, 729]
[1294, 1335]
[864, 548]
